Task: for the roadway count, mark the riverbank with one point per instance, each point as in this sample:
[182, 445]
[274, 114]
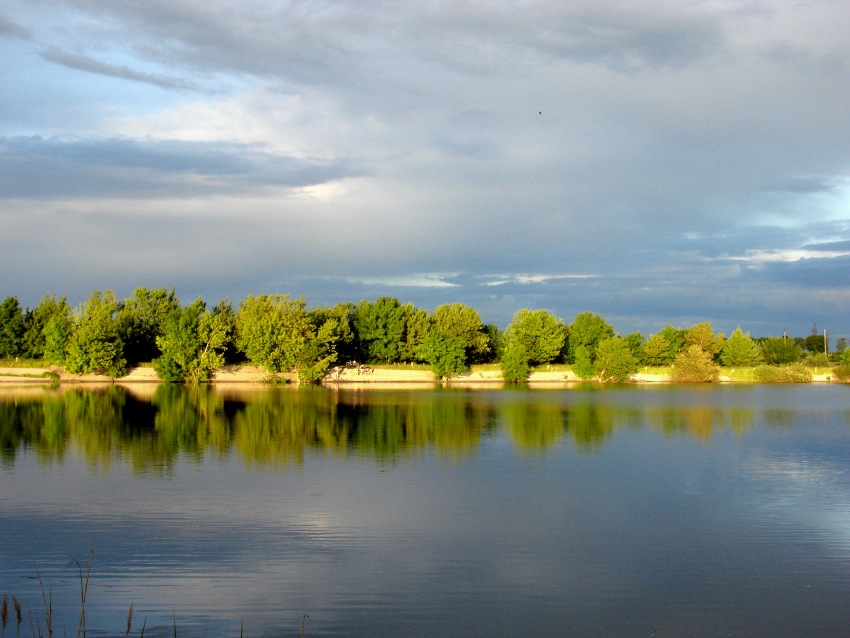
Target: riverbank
[370, 377]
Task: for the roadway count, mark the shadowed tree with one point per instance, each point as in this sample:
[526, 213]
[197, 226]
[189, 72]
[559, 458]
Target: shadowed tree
[11, 327]
[380, 329]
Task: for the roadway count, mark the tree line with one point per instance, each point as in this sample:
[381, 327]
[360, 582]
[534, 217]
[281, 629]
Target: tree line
[189, 342]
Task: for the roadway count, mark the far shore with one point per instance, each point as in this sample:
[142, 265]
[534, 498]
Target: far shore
[377, 377]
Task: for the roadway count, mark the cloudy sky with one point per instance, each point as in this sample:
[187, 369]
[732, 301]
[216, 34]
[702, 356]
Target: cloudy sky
[655, 162]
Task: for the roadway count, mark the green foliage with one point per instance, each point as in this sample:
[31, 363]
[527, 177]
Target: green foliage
[583, 362]
[540, 334]
[319, 351]
[57, 334]
[816, 360]
[380, 328]
[495, 343]
[278, 333]
[11, 327]
[142, 319]
[663, 347]
[586, 331]
[345, 336]
[780, 350]
[514, 363]
[792, 373]
[842, 373]
[815, 343]
[271, 330]
[445, 352]
[94, 344]
[417, 327]
[461, 321]
[192, 343]
[741, 350]
[694, 365]
[614, 360]
[635, 342]
[841, 345]
[702, 335]
[35, 321]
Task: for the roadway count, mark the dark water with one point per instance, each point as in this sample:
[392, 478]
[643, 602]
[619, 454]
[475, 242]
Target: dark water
[634, 511]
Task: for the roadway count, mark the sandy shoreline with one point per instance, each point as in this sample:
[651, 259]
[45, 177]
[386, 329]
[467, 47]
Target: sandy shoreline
[248, 374]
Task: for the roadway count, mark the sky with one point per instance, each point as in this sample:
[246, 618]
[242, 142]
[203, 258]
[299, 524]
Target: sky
[655, 162]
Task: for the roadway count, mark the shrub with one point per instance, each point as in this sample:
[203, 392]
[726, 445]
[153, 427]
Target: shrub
[816, 360]
[842, 373]
[694, 365]
[793, 373]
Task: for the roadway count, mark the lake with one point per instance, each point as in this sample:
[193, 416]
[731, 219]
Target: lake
[271, 511]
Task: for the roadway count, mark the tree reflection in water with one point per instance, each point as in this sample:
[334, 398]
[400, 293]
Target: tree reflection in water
[275, 426]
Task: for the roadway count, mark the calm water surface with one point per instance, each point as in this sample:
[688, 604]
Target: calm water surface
[633, 511]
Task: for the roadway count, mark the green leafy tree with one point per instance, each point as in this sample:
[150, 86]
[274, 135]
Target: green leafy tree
[380, 329]
[780, 350]
[702, 335]
[495, 344]
[271, 330]
[35, 322]
[141, 320]
[417, 327]
[694, 365]
[583, 362]
[635, 342]
[11, 327]
[345, 335]
[192, 343]
[94, 344]
[514, 362]
[614, 360]
[446, 353]
[540, 334]
[741, 350]
[841, 345]
[57, 334]
[587, 330]
[663, 347]
[318, 351]
[816, 343]
[463, 322]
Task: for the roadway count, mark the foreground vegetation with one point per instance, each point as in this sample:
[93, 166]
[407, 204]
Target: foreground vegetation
[188, 343]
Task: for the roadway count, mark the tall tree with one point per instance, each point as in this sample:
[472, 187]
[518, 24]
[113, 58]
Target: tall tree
[380, 329]
[141, 320]
[702, 335]
[35, 323]
[540, 334]
[192, 343]
[445, 352]
[11, 327]
[463, 322]
[741, 350]
[272, 330]
[614, 360]
[94, 344]
[586, 331]
[780, 350]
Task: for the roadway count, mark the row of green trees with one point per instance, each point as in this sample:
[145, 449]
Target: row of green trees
[189, 342]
